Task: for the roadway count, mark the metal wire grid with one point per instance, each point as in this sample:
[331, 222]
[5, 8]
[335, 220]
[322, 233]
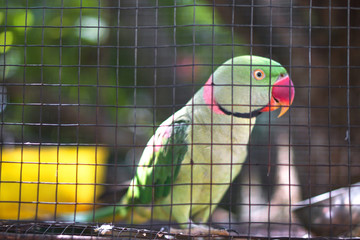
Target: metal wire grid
[306, 109]
[60, 231]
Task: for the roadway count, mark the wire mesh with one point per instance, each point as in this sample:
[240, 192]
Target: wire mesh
[86, 84]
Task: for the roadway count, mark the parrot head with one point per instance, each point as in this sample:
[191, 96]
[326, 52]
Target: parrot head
[246, 86]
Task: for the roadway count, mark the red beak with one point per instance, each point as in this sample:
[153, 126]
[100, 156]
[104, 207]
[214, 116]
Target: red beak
[282, 95]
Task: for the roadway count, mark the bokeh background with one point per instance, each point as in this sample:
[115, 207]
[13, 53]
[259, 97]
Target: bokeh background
[107, 73]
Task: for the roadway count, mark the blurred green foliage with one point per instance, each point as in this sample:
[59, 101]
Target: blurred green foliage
[89, 71]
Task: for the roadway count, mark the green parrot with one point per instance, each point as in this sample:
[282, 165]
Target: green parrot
[194, 155]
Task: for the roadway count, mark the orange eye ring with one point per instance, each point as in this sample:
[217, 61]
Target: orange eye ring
[258, 74]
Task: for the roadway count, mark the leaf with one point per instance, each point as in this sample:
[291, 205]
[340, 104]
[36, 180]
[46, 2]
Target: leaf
[2, 17]
[6, 39]
[23, 19]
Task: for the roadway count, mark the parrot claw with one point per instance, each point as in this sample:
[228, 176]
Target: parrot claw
[162, 233]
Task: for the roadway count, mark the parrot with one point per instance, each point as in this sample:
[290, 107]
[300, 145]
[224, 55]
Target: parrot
[194, 155]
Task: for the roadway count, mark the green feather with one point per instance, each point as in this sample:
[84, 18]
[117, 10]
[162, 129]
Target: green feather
[158, 170]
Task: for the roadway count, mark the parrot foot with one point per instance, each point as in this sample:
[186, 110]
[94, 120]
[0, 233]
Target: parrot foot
[200, 230]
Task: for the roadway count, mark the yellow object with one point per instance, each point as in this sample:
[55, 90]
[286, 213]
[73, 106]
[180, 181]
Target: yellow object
[41, 181]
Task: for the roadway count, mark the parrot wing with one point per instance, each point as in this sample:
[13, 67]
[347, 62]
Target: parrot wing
[160, 163]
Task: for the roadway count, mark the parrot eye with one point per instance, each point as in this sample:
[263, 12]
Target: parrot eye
[259, 74]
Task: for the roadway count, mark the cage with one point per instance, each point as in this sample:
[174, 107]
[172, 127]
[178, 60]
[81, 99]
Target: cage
[87, 86]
